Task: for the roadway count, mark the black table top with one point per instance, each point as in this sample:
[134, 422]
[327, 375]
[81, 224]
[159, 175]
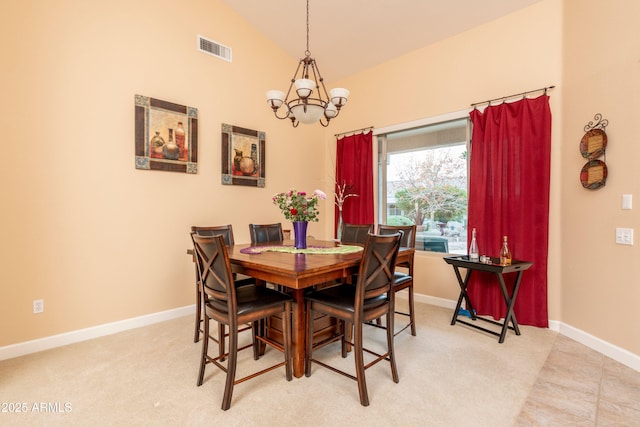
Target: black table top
[494, 266]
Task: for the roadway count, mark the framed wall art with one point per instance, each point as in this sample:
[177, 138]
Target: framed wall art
[166, 136]
[243, 156]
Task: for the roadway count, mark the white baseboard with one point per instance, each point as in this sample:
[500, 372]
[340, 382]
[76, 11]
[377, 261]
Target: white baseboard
[20, 349]
[7, 352]
[439, 302]
[614, 352]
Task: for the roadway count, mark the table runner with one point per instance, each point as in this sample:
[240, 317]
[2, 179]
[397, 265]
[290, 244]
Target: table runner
[345, 249]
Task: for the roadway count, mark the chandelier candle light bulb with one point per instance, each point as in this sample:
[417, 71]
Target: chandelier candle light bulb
[275, 98]
[331, 111]
[339, 96]
[304, 87]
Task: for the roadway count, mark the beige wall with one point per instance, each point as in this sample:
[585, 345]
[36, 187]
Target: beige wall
[101, 241]
[600, 280]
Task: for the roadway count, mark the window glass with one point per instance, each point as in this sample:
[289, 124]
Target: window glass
[423, 181]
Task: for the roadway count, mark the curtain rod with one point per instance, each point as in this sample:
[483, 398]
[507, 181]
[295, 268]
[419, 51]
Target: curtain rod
[504, 98]
[353, 131]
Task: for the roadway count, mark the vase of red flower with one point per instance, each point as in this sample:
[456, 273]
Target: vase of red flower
[300, 234]
[299, 208]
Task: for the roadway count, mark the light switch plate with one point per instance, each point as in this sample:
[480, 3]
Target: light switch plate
[624, 236]
[627, 201]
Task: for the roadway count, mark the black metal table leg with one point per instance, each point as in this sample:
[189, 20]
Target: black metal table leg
[509, 301]
[463, 294]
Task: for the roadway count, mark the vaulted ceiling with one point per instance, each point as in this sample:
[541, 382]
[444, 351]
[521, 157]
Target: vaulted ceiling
[347, 36]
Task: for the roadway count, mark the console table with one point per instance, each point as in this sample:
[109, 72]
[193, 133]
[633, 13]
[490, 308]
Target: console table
[498, 270]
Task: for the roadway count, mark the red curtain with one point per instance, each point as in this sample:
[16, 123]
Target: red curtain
[509, 195]
[354, 166]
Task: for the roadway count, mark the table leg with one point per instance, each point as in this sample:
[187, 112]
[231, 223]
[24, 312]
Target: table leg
[509, 301]
[463, 294]
[261, 325]
[298, 332]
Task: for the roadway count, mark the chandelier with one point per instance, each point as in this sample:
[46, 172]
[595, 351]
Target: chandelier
[310, 101]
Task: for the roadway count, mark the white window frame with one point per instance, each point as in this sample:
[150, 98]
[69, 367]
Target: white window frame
[380, 132]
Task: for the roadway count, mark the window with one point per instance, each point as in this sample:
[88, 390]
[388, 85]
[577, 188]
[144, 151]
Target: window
[423, 181]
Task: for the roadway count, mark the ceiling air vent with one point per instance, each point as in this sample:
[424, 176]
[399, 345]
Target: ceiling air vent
[214, 48]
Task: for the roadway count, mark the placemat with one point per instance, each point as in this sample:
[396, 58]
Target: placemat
[345, 249]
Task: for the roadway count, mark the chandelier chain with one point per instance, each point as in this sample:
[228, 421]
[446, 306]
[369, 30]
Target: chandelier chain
[308, 52]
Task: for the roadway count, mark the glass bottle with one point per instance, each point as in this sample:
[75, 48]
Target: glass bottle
[170, 149]
[505, 253]
[473, 247]
[180, 140]
[156, 143]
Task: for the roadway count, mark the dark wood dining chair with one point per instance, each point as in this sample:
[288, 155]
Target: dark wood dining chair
[402, 280]
[226, 231]
[233, 306]
[355, 234]
[370, 298]
[266, 233]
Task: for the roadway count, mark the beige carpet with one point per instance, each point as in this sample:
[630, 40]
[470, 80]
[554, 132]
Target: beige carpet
[449, 376]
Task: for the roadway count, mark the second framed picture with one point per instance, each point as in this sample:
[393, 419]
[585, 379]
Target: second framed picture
[243, 156]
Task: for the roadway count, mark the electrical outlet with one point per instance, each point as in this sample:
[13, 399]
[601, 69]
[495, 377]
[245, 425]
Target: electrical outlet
[38, 306]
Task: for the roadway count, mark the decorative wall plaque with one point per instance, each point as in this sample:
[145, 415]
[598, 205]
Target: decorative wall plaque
[593, 145]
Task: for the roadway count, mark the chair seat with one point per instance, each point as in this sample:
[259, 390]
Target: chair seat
[251, 298]
[242, 280]
[401, 278]
[342, 297]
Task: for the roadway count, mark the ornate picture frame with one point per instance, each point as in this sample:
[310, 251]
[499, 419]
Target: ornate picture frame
[166, 136]
[243, 156]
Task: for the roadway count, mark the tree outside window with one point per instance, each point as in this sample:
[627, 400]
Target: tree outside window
[429, 187]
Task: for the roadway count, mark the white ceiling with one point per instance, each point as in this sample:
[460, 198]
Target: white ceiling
[347, 36]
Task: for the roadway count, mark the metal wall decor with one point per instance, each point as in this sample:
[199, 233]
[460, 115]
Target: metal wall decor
[243, 156]
[592, 146]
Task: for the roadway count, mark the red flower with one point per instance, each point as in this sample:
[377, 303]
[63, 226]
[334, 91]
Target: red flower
[294, 211]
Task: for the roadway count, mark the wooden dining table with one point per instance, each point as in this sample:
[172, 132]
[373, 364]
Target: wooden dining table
[297, 272]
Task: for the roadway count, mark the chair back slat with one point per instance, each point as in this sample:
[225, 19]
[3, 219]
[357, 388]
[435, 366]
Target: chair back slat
[214, 268]
[408, 241]
[408, 236]
[377, 268]
[266, 233]
[355, 234]
[225, 231]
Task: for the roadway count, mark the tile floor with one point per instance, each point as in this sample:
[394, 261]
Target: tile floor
[578, 386]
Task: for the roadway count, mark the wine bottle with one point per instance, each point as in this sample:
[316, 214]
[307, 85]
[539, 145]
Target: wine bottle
[180, 141]
[473, 247]
[505, 253]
